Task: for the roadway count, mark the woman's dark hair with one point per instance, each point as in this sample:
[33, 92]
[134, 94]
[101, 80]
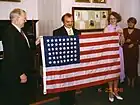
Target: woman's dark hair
[132, 19]
[116, 15]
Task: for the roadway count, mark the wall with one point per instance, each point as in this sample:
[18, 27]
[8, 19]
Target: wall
[67, 5]
[30, 6]
[130, 8]
[50, 12]
[49, 16]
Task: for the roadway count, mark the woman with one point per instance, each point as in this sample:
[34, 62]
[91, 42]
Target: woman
[131, 50]
[113, 19]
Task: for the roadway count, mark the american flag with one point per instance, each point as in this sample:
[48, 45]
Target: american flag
[74, 62]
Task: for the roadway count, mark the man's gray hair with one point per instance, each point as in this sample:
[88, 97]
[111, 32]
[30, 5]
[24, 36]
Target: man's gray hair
[16, 12]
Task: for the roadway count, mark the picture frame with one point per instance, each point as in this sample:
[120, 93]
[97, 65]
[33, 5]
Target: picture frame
[91, 1]
[11, 0]
[90, 19]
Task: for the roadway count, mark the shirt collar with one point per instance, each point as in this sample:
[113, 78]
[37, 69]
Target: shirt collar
[19, 29]
[67, 28]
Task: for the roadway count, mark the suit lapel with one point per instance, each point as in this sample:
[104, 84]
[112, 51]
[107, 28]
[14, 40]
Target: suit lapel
[21, 37]
[64, 31]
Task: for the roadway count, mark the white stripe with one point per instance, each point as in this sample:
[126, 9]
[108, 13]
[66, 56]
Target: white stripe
[108, 38]
[83, 81]
[80, 73]
[79, 65]
[97, 47]
[107, 53]
[44, 65]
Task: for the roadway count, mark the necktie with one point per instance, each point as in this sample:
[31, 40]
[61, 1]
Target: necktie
[22, 33]
[70, 32]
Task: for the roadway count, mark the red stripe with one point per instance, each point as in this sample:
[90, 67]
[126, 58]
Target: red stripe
[80, 86]
[99, 58]
[87, 36]
[98, 43]
[99, 50]
[76, 78]
[49, 73]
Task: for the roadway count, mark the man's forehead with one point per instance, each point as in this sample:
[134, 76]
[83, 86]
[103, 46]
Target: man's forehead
[69, 18]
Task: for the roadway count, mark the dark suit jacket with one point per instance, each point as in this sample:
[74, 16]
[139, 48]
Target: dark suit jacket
[62, 31]
[17, 58]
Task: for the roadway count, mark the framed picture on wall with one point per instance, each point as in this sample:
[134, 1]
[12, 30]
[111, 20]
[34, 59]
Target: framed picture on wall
[11, 0]
[91, 1]
[90, 19]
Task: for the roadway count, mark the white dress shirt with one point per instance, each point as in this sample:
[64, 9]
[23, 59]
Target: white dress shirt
[69, 31]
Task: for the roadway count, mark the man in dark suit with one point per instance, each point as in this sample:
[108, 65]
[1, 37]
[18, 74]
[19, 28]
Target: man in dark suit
[16, 66]
[68, 97]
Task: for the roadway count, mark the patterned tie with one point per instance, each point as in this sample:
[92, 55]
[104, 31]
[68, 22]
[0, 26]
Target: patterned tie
[70, 32]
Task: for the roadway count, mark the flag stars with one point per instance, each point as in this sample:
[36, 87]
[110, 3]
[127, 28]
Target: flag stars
[54, 58]
[56, 48]
[64, 56]
[56, 40]
[64, 48]
[61, 50]
[71, 39]
[71, 51]
[49, 53]
[56, 53]
[68, 39]
[48, 45]
[48, 40]
[50, 62]
[52, 49]
[56, 44]
[75, 51]
[59, 39]
[53, 53]
[52, 40]
[52, 44]
[49, 49]
[71, 43]
[63, 39]
[68, 48]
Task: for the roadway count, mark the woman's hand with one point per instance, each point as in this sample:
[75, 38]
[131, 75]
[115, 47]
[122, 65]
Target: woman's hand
[130, 46]
[121, 38]
[120, 31]
[37, 42]
[128, 41]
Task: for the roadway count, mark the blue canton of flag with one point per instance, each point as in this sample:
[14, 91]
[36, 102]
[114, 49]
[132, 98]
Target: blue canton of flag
[61, 50]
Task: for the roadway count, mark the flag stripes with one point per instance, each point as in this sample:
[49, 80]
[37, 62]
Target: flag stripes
[99, 63]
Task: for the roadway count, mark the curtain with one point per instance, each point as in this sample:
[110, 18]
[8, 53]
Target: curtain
[49, 13]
